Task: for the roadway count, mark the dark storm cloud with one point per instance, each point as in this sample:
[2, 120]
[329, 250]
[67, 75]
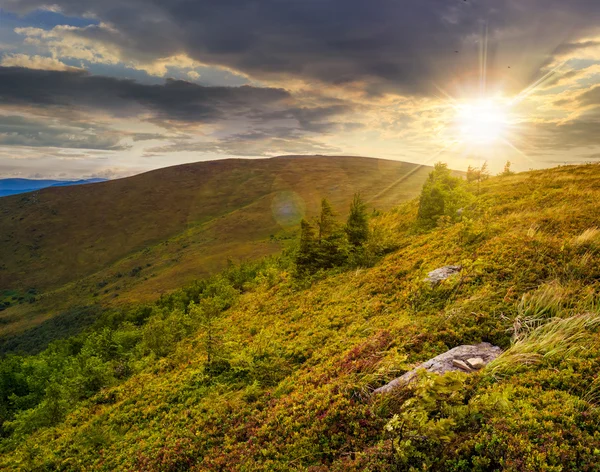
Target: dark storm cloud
[398, 45]
[568, 48]
[174, 100]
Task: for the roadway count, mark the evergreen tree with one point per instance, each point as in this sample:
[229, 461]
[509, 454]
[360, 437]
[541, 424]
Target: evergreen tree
[357, 225]
[484, 172]
[331, 251]
[506, 172]
[442, 195]
[327, 223]
[472, 174]
[207, 314]
[431, 203]
[478, 174]
[306, 258]
[324, 248]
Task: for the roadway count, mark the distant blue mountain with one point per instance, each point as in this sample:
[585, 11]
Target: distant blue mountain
[17, 186]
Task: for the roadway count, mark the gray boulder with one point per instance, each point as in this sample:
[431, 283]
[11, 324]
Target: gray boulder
[459, 358]
[436, 276]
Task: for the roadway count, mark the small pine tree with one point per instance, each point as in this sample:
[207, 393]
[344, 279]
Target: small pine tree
[484, 172]
[207, 313]
[357, 225]
[331, 248]
[431, 204]
[442, 194]
[478, 174]
[506, 172]
[306, 258]
[323, 248]
[327, 223]
[472, 174]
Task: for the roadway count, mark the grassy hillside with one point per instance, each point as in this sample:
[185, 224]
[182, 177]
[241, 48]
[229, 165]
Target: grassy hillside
[299, 358]
[130, 240]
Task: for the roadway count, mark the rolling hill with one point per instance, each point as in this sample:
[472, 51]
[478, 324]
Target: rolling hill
[299, 359]
[129, 240]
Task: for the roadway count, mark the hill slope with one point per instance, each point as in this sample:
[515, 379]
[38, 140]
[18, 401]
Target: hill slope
[303, 359]
[131, 239]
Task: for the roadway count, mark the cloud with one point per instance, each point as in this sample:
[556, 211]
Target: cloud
[326, 76]
[31, 132]
[590, 97]
[99, 44]
[174, 100]
[75, 109]
[378, 46]
[579, 132]
[35, 62]
[273, 142]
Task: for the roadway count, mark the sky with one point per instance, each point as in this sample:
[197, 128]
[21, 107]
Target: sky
[112, 88]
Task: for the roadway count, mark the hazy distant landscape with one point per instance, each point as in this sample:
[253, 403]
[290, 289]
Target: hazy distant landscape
[17, 186]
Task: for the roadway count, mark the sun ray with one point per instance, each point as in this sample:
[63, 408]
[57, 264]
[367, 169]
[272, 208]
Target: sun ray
[412, 171]
[445, 93]
[483, 58]
[533, 87]
[511, 145]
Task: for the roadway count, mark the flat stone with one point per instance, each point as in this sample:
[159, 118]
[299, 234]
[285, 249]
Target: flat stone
[475, 363]
[436, 276]
[445, 363]
[461, 365]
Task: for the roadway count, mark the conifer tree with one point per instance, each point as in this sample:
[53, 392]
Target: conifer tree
[306, 258]
[472, 174]
[330, 250]
[357, 225]
[327, 223]
[442, 195]
[506, 172]
[484, 172]
[323, 248]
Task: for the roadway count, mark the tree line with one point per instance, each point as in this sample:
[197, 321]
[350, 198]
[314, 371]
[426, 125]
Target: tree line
[325, 243]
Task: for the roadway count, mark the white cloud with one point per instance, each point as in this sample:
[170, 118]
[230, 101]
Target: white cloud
[34, 62]
[86, 44]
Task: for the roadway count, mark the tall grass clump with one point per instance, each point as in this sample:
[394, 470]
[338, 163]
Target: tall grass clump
[537, 307]
[590, 237]
[556, 340]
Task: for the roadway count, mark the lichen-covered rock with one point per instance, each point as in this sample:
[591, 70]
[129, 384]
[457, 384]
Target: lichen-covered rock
[452, 360]
[436, 276]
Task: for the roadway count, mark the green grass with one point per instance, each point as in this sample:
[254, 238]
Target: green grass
[303, 357]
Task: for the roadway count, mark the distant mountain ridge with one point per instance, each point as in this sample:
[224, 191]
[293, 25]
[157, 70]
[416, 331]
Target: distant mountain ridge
[18, 186]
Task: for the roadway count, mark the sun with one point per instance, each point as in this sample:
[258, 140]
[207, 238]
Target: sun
[482, 121]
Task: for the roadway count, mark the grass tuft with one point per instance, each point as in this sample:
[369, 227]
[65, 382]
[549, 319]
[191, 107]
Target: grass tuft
[554, 341]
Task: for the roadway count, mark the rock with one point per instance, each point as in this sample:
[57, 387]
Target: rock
[461, 365]
[436, 276]
[443, 363]
[475, 363]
